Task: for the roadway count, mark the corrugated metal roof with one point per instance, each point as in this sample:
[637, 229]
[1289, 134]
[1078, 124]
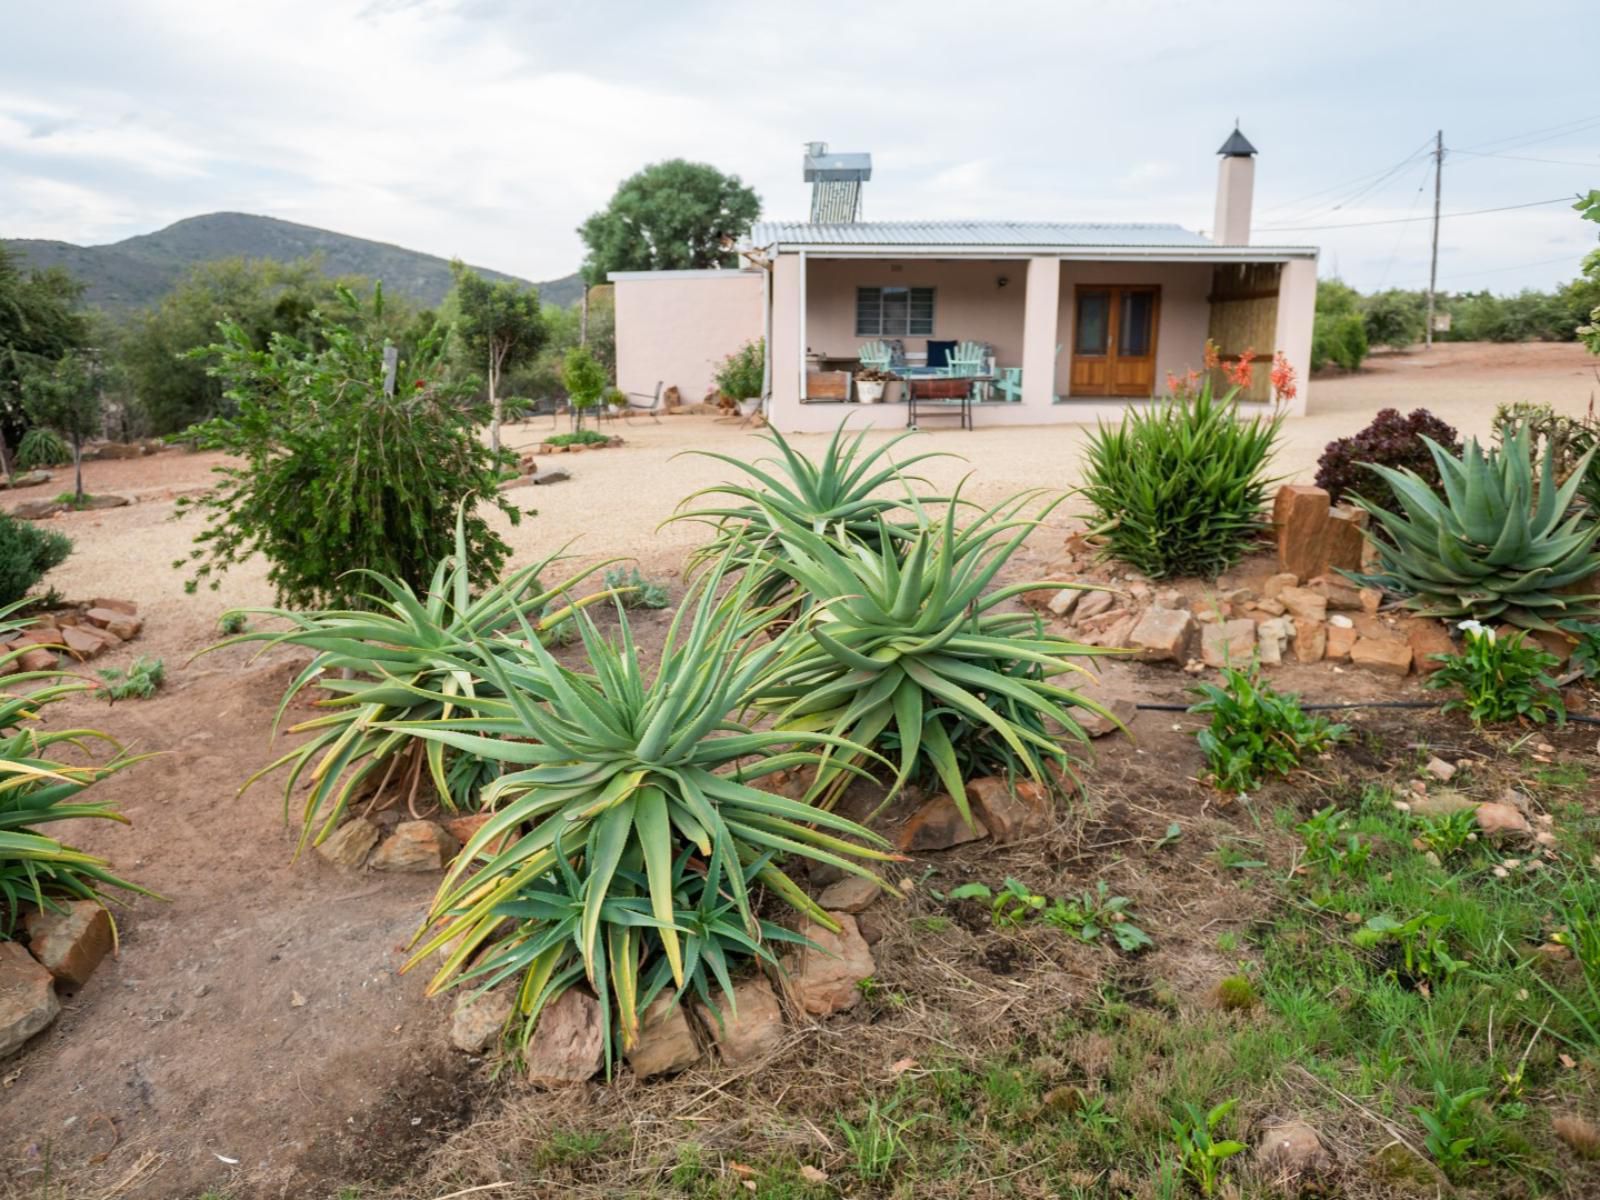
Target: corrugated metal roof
[1040, 234]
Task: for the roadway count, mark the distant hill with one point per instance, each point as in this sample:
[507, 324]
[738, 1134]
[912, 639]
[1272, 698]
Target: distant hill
[139, 270]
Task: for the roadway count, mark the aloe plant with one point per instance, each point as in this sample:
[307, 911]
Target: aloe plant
[392, 663]
[842, 488]
[906, 644]
[612, 777]
[1497, 545]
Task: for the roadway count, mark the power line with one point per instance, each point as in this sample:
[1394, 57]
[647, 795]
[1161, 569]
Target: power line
[1476, 212]
[1560, 162]
[1553, 131]
[1408, 159]
[1543, 262]
[1394, 251]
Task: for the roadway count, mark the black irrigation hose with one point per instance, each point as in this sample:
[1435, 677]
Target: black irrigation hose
[1580, 718]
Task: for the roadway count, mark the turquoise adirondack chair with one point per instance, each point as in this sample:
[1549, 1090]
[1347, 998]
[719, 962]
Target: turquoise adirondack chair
[876, 355]
[967, 359]
[1010, 382]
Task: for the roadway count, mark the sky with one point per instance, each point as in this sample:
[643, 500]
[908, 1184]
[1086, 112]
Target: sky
[488, 129]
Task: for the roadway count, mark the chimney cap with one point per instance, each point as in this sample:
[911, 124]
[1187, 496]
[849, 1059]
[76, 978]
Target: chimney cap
[1237, 145]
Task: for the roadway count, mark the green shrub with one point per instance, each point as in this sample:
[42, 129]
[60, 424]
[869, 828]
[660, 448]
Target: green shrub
[1500, 678]
[636, 840]
[1394, 318]
[910, 639]
[1340, 339]
[42, 447]
[578, 437]
[1256, 731]
[1495, 546]
[1391, 441]
[336, 477]
[26, 553]
[740, 376]
[1178, 489]
[637, 591]
[584, 378]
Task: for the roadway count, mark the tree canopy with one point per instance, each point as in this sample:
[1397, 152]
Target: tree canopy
[65, 396]
[500, 326]
[39, 322]
[673, 215]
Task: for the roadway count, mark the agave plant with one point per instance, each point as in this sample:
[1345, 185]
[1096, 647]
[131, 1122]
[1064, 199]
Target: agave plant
[841, 489]
[393, 664]
[612, 779]
[1497, 545]
[906, 646]
[38, 790]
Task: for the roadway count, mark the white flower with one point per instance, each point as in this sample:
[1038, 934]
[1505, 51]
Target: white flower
[1476, 629]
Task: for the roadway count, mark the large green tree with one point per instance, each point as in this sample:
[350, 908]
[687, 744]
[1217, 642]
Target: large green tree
[1589, 207]
[673, 215]
[500, 326]
[40, 321]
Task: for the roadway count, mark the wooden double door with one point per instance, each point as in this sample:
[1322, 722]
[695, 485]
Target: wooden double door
[1114, 340]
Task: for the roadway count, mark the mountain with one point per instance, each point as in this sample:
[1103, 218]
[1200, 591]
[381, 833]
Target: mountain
[139, 270]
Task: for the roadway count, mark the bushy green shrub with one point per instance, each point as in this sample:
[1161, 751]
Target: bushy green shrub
[1178, 489]
[42, 447]
[26, 553]
[1394, 318]
[142, 679]
[1390, 440]
[741, 374]
[1495, 546]
[1500, 678]
[334, 477]
[578, 437]
[635, 590]
[1340, 339]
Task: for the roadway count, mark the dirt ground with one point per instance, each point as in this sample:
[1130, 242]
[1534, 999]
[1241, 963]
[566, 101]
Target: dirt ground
[254, 1037]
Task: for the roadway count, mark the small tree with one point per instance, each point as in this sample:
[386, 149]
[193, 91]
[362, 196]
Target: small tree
[501, 326]
[671, 215]
[65, 397]
[1589, 207]
[337, 476]
[585, 380]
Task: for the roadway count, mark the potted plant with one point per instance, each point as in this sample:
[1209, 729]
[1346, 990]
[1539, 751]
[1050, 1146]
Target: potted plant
[740, 375]
[871, 383]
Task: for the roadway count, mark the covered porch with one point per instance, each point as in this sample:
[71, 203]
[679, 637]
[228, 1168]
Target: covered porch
[1072, 335]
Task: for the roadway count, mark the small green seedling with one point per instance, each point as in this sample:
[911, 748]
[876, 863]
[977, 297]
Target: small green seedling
[1200, 1154]
[1448, 1123]
[1331, 845]
[1447, 834]
[231, 623]
[877, 1143]
[1011, 905]
[635, 590]
[139, 681]
[1098, 912]
[1422, 941]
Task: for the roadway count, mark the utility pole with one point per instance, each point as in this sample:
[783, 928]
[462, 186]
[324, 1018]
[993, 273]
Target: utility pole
[1433, 270]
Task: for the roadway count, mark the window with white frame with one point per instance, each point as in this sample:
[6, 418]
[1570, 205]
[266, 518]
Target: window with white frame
[894, 312]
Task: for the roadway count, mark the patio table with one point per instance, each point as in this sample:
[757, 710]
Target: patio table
[910, 377]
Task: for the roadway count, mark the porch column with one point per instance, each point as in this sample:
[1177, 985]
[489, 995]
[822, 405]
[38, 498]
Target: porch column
[1297, 313]
[787, 351]
[1041, 304]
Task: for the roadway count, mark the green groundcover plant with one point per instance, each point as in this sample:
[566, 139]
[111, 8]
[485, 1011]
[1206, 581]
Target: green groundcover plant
[1178, 489]
[1500, 678]
[1256, 732]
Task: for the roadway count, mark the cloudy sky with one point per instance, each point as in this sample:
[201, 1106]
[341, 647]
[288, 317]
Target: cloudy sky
[489, 128]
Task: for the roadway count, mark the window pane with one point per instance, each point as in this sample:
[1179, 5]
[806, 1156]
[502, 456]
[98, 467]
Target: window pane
[896, 311]
[1135, 324]
[921, 318]
[1094, 309]
[869, 312]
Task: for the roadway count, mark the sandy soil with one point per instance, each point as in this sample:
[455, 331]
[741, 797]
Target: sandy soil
[190, 1051]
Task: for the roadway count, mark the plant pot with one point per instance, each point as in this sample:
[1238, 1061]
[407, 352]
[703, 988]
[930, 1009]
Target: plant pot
[870, 391]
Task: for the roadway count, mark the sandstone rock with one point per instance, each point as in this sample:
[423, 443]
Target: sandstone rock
[1097, 726]
[748, 1028]
[1276, 583]
[477, 1021]
[1371, 600]
[1310, 640]
[1427, 638]
[71, 944]
[1115, 635]
[1093, 603]
[1231, 643]
[873, 924]
[37, 510]
[1163, 635]
[1497, 818]
[416, 846]
[938, 825]
[1441, 803]
[1291, 1154]
[124, 625]
[550, 475]
[1389, 658]
[349, 845]
[1376, 628]
[1273, 608]
[1344, 541]
[1305, 603]
[1580, 1135]
[1062, 603]
[81, 643]
[850, 894]
[667, 1043]
[1169, 598]
[1341, 595]
[27, 997]
[1442, 771]
[1300, 515]
[1341, 639]
[824, 979]
[567, 1046]
[1010, 811]
[38, 660]
[1269, 642]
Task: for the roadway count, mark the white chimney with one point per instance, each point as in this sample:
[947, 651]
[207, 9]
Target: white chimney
[1236, 182]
